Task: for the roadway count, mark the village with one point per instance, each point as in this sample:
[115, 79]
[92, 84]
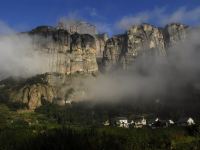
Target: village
[142, 122]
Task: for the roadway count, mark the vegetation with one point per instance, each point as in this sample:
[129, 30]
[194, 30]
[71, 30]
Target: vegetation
[59, 128]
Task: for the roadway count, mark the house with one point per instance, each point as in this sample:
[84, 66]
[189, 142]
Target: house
[140, 122]
[168, 123]
[190, 121]
[106, 123]
[186, 121]
[121, 122]
[151, 122]
[171, 122]
[68, 102]
[157, 123]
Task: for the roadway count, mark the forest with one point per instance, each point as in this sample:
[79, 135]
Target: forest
[59, 128]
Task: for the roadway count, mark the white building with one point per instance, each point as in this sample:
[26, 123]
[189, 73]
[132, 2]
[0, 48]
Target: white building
[106, 123]
[171, 122]
[139, 123]
[186, 121]
[190, 121]
[122, 122]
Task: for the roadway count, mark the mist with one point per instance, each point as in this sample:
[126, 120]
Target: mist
[18, 57]
[153, 77]
[160, 17]
[149, 77]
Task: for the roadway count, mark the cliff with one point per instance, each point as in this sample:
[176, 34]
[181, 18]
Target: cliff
[67, 53]
[122, 50]
[43, 89]
[70, 54]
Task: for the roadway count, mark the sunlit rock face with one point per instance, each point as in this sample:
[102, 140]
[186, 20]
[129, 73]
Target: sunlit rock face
[121, 50]
[115, 50]
[175, 33]
[75, 26]
[32, 92]
[70, 53]
[83, 54]
[100, 43]
[33, 95]
[101, 40]
[67, 53]
[145, 39]
[43, 89]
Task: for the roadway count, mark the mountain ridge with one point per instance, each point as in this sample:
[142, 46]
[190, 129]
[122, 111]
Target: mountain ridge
[70, 54]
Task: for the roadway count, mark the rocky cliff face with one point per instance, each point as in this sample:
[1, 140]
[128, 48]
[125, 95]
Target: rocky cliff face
[32, 92]
[54, 88]
[75, 26]
[33, 95]
[115, 50]
[67, 53]
[101, 40]
[145, 39]
[175, 33]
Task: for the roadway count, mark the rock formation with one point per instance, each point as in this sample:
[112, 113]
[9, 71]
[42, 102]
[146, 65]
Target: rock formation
[101, 40]
[32, 92]
[175, 33]
[101, 43]
[67, 53]
[145, 39]
[75, 26]
[42, 89]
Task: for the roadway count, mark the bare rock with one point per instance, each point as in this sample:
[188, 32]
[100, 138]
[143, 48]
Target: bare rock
[175, 33]
[33, 92]
[122, 50]
[66, 53]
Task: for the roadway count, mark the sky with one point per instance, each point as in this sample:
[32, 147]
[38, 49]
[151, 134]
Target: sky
[111, 16]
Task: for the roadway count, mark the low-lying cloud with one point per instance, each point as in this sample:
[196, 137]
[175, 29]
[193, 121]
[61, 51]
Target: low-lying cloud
[153, 77]
[148, 76]
[18, 57]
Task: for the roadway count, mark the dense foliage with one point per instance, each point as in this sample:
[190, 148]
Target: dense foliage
[97, 139]
[24, 130]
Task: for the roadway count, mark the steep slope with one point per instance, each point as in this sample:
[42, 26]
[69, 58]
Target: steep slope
[67, 53]
[72, 54]
[145, 39]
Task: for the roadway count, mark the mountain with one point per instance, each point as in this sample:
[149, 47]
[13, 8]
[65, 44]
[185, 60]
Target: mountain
[67, 53]
[73, 57]
[122, 50]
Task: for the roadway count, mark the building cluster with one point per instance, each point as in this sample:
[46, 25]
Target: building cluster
[141, 122]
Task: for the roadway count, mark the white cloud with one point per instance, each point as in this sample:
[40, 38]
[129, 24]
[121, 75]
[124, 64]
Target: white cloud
[5, 29]
[127, 21]
[152, 77]
[17, 55]
[93, 12]
[181, 15]
[71, 16]
[103, 27]
[161, 16]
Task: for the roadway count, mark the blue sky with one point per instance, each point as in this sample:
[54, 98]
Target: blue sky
[110, 15]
